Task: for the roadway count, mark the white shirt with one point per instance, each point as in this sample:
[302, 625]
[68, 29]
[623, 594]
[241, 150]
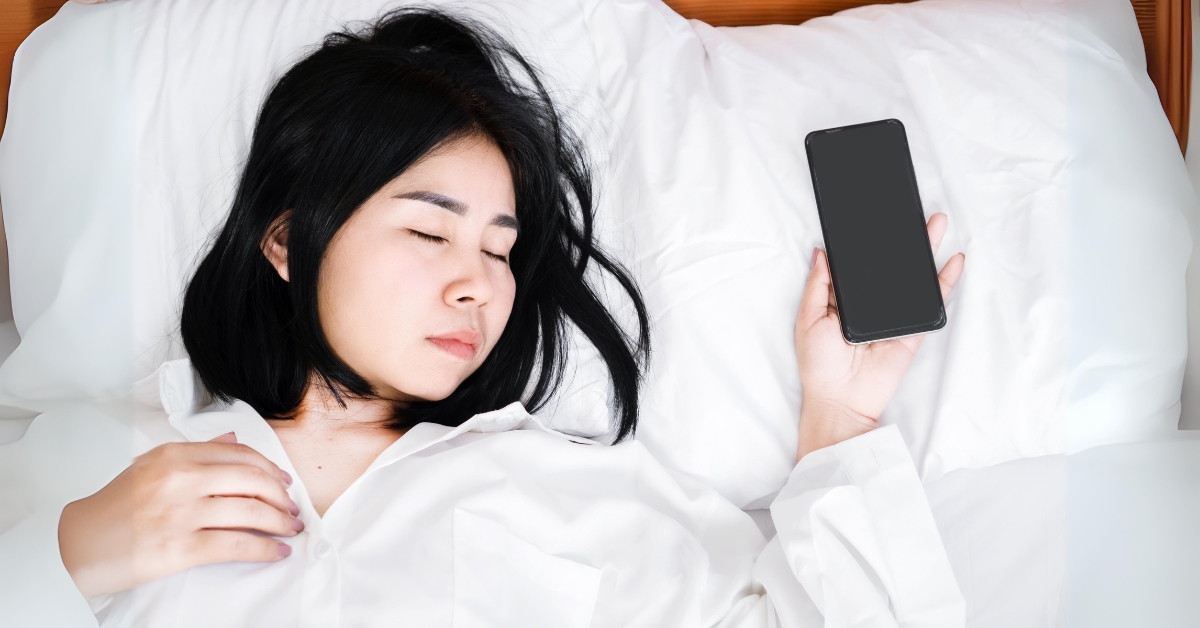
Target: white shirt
[505, 522]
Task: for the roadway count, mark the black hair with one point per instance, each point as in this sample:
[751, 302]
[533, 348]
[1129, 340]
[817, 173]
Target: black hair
[340, 124]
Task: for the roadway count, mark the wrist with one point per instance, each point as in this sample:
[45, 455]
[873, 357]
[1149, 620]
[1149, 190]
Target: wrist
[85, 556]
[826, 423]
[74, 557]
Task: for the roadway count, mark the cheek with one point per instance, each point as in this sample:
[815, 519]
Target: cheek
[378, 300]
[371, 298]
[499, 311]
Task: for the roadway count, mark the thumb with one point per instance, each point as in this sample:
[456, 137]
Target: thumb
[227, 437]
[815, 303]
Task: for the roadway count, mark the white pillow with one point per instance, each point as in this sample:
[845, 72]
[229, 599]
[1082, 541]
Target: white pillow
[66, 174]
[117, 167]
[1032, 125]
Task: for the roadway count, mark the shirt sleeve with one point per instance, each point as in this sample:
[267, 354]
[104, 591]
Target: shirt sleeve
[66, 453]
[35, 588]
[856, 543]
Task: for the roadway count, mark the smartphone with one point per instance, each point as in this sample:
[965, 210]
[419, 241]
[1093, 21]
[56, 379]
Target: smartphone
[883, 273]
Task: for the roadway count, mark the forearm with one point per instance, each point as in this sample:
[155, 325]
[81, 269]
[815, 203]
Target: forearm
[92, 553]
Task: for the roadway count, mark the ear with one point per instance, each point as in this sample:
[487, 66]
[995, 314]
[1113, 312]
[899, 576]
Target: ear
[275, 244]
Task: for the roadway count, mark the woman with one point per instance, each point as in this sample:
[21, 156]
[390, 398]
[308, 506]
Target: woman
[409, 237]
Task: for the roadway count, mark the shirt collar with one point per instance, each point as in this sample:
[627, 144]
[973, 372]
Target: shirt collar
[181, 394]
[425, 435]
[253, 431]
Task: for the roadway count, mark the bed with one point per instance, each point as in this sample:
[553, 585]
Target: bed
[1004, 516]
[1166, 27]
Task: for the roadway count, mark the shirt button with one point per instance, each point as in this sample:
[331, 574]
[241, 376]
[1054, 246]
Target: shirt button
[321, 550]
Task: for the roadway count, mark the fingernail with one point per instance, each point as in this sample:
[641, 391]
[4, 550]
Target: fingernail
[297, 524]
[287, 477]
[813, 262]
[295, 510]
[285, 550]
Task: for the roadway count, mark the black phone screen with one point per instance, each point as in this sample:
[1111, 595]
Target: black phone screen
[883, 272]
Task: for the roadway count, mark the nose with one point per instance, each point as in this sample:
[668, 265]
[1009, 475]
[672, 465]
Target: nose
[470, 283]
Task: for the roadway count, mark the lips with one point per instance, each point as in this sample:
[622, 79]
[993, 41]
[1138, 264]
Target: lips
[462, 344]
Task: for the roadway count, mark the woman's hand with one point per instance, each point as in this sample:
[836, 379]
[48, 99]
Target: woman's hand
[845, 387]
[177, 506]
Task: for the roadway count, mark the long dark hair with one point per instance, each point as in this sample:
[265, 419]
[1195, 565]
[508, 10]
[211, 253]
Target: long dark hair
[339, 125]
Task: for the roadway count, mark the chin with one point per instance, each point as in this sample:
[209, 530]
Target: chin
[432, 390]
[423, 376]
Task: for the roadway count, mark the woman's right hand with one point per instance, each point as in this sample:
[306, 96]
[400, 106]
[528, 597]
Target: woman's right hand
[845, 387]
[177, 506]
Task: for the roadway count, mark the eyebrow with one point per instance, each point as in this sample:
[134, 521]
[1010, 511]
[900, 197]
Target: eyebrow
[433, 198]
[458, 207]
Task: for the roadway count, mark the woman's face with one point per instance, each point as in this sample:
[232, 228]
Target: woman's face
[415, 288]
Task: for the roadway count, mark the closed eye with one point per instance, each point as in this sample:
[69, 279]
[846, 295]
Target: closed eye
[499, 258]
[427, 237]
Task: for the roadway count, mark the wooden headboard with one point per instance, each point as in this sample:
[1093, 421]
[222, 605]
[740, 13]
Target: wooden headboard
[1166, 27]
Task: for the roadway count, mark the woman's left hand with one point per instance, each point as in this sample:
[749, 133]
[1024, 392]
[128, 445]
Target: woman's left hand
[845, 386]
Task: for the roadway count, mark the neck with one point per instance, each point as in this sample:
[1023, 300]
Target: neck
[321, 410]
[330, 444]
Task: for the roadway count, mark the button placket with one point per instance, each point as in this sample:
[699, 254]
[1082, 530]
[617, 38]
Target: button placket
[320, 600]
[321, 597]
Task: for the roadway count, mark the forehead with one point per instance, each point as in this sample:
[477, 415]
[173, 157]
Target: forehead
[470, 170]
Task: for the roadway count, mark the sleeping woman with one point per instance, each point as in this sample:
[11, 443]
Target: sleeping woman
[409, 239]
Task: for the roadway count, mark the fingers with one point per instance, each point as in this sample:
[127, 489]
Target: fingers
[232, 513]
[910, 343]
[222, 452]
[951, 273]
[823, 261]
[954, 266]
[819, 299]
[222, 546]
[818, 293]
[239, 480]
[937, 229]
[946, 280]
